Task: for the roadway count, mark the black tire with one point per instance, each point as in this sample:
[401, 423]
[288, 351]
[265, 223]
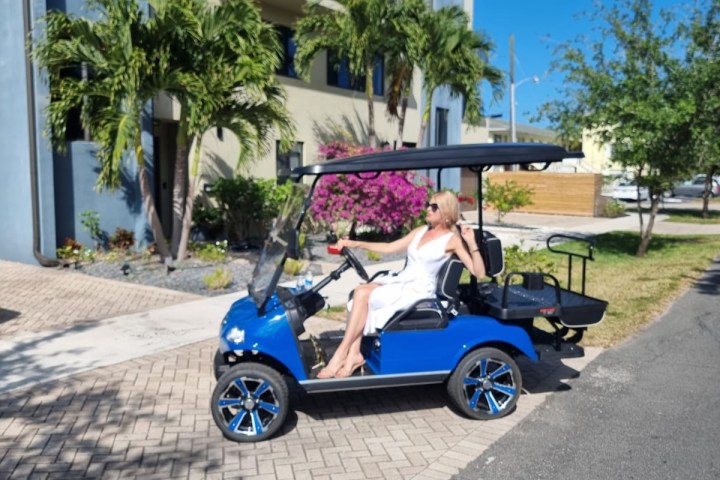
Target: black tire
[250, 402]
[219, 365]
[486, 384]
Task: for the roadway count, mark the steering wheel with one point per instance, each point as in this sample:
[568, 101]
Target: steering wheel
[354, 263]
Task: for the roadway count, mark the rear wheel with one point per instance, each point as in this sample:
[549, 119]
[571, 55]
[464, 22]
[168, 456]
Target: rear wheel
[250, 402]
[486, 384]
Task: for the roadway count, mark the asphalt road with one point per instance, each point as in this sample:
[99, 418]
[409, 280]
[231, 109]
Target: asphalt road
[648, 409]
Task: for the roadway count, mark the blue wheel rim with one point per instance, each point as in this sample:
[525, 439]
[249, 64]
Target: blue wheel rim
[489, 386]
[248, 406]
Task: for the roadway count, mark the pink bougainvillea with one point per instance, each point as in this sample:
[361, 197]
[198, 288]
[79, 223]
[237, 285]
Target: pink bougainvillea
[386, 202]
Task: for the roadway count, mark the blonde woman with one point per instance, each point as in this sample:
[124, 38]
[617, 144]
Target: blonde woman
[428, 248]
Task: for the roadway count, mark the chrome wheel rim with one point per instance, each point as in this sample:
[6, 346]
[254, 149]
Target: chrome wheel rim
[248, 406]
[489, 386]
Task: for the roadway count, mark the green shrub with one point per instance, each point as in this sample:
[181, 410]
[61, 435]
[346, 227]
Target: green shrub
[613, 208]
[211, 252]
[71, 250]
[506, 197]
[219, 279]
[530, 260]
[209, 219]
[293, 267]
[249, 205]
[90, 221]
[374, 257]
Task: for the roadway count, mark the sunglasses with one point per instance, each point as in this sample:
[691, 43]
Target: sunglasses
[433, 206]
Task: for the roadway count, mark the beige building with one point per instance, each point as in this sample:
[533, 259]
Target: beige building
[325, 108]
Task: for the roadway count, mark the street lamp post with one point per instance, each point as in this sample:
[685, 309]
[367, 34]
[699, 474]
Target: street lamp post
[513, 86]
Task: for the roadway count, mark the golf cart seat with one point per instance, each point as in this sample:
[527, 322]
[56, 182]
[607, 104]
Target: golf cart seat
[491, 252]
[431, 313]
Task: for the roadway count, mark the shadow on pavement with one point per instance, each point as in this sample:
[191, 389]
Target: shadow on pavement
[709, 284]
[547, 375]
[6, 315]
[95, 429]
[21, 364]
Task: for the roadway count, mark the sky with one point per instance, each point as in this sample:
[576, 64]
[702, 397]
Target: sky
[538, 26]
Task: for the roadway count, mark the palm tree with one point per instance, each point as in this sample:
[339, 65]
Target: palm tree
[226, 57]
[218, 62]
[401, 59]
[453, 55]
[357, 32]
[122, 76]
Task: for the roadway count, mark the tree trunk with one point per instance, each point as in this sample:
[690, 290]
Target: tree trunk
[186, 223]
[149, 202]
[401, 121]
[646, 235]
[707, 193]
[424, 121]
[180, 186]
[372, 139]
[189, 202]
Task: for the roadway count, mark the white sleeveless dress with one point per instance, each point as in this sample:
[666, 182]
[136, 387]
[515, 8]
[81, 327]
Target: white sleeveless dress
[416, 281]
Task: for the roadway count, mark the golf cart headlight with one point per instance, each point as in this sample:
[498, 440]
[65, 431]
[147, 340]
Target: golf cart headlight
[236, 335]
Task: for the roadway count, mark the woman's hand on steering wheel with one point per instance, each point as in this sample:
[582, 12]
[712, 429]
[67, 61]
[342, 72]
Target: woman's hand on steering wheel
[353, 261]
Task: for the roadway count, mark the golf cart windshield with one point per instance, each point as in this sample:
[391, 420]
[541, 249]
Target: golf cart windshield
[282, 234]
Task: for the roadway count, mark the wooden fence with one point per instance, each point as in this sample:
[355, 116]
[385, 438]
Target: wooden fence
[553, 193]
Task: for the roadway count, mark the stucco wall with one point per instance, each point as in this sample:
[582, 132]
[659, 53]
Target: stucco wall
[15, 215]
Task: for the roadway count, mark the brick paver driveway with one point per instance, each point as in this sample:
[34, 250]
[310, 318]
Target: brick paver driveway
[150, 418]
[34, 299]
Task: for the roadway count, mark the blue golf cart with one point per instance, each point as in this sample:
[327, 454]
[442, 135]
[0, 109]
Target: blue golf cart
[467, 336]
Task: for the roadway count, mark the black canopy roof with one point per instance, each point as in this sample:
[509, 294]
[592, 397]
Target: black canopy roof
[450, 156]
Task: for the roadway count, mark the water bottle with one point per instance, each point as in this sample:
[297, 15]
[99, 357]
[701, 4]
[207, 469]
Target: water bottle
[308, 283]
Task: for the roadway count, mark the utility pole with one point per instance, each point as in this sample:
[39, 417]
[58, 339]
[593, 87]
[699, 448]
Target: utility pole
[511, 71]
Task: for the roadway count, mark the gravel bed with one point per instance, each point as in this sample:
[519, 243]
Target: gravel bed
[187, 276]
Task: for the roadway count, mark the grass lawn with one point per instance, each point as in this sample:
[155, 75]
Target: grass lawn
[691, 216]
[638, 289]
[686, 215]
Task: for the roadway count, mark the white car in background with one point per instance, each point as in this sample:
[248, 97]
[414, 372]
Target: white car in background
[627, 190]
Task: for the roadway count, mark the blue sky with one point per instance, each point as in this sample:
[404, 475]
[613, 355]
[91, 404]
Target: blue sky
[538, 27]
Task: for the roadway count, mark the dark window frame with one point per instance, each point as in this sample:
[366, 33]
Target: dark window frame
[441, 125]
[284, 161]
[287, 65]
[338, 75]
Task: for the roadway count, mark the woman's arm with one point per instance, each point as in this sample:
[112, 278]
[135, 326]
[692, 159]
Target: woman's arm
[399, 245]
[472, 260]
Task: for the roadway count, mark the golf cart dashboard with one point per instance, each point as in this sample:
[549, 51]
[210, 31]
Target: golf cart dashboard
[298, 307]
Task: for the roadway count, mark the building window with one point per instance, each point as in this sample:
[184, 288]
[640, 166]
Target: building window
[287, 65]
[74, 128]
[286, 161]
[441, 126]
[338, 75]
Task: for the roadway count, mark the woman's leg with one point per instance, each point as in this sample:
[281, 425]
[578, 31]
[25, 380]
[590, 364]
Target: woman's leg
[353, 332]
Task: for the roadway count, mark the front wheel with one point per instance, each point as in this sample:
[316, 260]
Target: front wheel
[486, 384]
[250, 402]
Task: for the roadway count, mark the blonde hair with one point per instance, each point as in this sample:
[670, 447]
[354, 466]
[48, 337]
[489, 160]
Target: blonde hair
[449, 208]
